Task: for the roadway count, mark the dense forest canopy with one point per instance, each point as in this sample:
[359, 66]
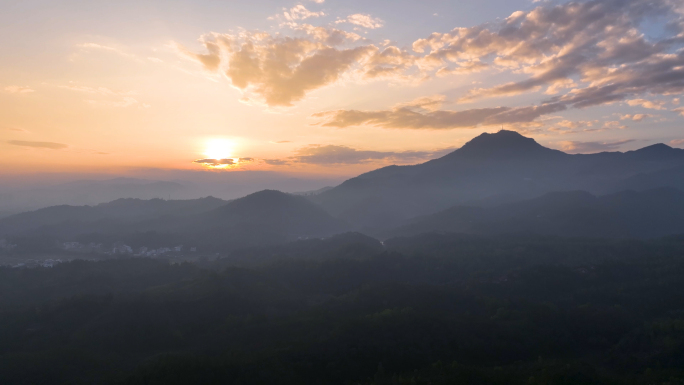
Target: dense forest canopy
[429, 309]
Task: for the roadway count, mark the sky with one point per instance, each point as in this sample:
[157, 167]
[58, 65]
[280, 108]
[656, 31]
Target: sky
[327, 87]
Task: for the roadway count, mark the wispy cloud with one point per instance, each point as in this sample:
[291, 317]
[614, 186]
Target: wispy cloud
[116, 98]
[424, 113]
[96, 90]
[39, 145]
[677, 142]
[106, 48]
[592, 147]
[329, 155]
[19, 89]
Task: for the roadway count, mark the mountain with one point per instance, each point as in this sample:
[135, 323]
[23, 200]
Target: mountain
[628, 214]
[90, 217]
[671, 177]
[88, 192]
[504, 166]
[263, 218]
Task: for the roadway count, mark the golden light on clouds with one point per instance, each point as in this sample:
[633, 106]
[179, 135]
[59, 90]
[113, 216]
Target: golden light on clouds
[220, 154]
[348, 87]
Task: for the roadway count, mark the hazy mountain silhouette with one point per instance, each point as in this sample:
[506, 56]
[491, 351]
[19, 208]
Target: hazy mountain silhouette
[265, 217]
[118, 211]
[89, 192]
[496, 183]
[628, 214]
[502, 165]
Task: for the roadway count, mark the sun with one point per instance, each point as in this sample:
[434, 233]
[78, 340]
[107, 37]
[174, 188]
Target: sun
[219, 149]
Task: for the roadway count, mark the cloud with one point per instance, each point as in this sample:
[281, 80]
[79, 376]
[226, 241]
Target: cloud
[299, 12]
[677, 142]
[566, 127]
[328, 155]
[100, 47]
[586, 53]
[596, 49]
[18, 89]
[215, 162]
[636, 117]
[591, 147]
[283, 141]
[277, 162]
[680, 111]
[391, 62]
[97, 90]
[464, 67]
[123, 98]
[225, 163]
[17, 129]
[424, 113]
[365, 21]
[654, 105]
[44, 145]
[279, 71]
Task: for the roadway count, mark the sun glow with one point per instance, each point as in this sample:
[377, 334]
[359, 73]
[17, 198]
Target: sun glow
[219, 149]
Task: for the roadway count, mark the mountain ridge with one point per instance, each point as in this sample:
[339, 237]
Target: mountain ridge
[503, 163]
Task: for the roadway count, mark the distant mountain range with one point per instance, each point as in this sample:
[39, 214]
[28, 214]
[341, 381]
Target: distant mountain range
[501, 183]
[118, 211]
[262, 218]
[628, 214]
[498, 168]
[20, 195]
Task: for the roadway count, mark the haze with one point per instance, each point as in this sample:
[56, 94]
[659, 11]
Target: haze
[342, 192]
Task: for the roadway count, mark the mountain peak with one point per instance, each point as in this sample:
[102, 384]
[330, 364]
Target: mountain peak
[657, 151]
[503, 144]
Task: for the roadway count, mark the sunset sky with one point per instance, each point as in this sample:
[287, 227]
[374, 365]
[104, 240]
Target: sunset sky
[327, 86]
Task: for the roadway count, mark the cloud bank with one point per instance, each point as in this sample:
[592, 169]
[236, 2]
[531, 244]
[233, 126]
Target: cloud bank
[328, 155]
[423, 114]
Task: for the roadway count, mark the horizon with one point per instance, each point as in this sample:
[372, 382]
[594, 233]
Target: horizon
[212, 174]
[167, 94]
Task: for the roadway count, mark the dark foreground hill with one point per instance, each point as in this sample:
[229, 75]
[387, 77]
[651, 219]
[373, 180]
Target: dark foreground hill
[628, 214]
[505, 166]
[434, 309]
